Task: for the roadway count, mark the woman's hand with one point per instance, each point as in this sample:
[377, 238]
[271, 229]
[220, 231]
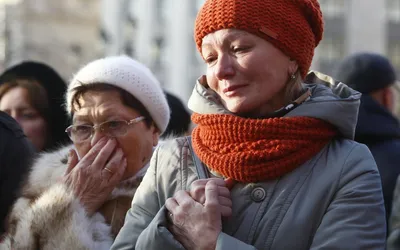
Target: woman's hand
[196, 226]
[94, 177]
[197, 192]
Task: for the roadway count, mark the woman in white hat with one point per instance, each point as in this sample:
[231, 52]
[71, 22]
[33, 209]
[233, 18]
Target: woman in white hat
[77, 197]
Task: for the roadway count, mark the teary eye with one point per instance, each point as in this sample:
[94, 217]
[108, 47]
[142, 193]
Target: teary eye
[114, 124]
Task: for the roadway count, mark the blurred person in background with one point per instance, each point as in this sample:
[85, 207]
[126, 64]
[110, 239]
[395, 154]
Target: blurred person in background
[32, 93]
[179, 123]
[374, 76]
[282, 134]
[77, 197]
[16, 154]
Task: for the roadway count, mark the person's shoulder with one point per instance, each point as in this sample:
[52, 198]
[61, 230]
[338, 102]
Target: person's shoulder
[16, 150]
[10, 126]
[343, 158]
[171, 151]
[172, 159]
[355, 159]
[47, 169]
[350, 150]
[172, 147]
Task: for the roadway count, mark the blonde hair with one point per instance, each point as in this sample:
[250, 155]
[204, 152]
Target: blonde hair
[293, 88]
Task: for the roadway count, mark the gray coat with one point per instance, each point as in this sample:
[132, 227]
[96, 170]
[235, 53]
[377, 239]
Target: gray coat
[333, 201]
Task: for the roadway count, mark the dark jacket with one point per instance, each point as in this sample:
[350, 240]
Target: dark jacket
[16, 154]
[380, 131]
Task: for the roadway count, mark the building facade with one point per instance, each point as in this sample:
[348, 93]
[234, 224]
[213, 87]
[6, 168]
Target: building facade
[159, 33]
[351, 26]
[63, 34]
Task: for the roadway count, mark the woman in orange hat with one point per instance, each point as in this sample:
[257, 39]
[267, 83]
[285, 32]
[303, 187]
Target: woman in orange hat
[271, 163]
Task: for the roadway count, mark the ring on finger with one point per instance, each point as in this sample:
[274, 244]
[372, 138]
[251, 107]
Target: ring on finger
[108, 170]
[170, 216]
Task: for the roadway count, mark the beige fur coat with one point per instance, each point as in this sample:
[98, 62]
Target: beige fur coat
[48, 215]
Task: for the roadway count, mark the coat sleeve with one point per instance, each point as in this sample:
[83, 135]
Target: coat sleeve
[355, 218]
[227, 242]
[393, 241]
[56, 220]
[146, 222]
[165, 240]
[142, 228]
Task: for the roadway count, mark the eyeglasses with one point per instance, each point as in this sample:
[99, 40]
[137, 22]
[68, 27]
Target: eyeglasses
[80, 133]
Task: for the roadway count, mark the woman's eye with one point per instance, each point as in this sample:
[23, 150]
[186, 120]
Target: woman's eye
[209, 60]
[114, 124]
[238, 49]
[28, 115]
[82, 129]
[209, 56]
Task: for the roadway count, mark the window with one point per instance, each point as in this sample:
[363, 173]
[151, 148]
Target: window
[393, 32]
[40, 6]
[394, 54]
[330, 52]
[333, 8]
[160, 13]
[393, 10]
[331, 49]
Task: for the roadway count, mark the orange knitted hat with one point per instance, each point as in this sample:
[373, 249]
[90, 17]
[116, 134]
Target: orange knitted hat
[293, 26]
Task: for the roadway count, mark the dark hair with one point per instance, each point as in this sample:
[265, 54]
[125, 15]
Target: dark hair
[366, 72]
[127, 99]
[55, 88]
[179, 122]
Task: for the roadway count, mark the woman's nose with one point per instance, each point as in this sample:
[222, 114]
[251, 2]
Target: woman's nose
[224, 68]
[97, 135]
[14, 115]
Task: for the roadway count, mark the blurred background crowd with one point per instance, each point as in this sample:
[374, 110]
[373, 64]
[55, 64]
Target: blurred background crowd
[159, 33]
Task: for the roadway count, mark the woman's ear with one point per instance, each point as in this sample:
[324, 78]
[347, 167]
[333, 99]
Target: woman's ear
[389, 99]
[293, 67]
[155, 133]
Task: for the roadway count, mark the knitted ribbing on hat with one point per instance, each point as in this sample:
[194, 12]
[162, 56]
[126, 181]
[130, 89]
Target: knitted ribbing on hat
[252, 150]
[293, 26]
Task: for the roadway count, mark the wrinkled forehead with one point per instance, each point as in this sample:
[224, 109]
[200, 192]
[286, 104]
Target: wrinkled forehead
[101, 105]
[92, 98]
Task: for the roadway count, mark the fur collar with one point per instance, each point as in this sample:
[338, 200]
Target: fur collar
[49, 168]
[48, 215]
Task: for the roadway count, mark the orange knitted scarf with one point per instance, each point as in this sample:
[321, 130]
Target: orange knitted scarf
[252, 150]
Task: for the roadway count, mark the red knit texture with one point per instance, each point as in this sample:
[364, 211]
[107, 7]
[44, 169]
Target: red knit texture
[295, 26]
[252, 150]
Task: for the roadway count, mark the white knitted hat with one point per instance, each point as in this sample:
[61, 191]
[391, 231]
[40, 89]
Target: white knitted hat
[127, 74]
